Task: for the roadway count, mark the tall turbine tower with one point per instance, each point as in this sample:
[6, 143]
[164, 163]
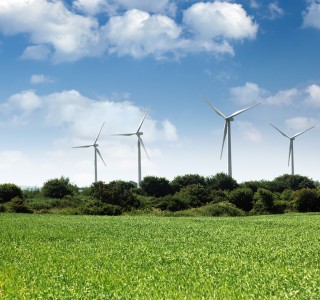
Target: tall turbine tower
[138, 133]
[227, 130]
[291, 144]
[96, 151]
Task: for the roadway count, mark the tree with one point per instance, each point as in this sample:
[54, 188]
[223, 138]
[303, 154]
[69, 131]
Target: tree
[180, 182]
[221, 181]
[9, 191]
[116, 192]
[195, 195]
[263, 201]
[307, 200]
[292, 182]
[58, 188]
[156, 186]
[242, 198]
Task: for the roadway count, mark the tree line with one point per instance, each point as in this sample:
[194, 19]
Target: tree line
[189, 194]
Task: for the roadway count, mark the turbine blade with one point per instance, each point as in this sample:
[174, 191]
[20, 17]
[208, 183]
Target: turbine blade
[100, 156]
[279, 131]
[242, 110]
[144, 148]
[86, 146]
[221, 114]
[290, 150]
[224, 136]
[99, 133]
[297, 134]
[142, 120]
[123, 134]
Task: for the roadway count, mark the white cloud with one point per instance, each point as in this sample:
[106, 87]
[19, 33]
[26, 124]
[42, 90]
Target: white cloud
[40, 78]
[249, 131]
[216, 20]
[311, 17]
[285, 97]
[249, 93]
[299, 123]
[24, 102]
[137, 33]
[313, 95]
[136, 28]
[275, 10]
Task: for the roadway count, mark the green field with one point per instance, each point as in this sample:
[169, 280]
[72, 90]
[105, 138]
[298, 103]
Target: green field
[125, 257]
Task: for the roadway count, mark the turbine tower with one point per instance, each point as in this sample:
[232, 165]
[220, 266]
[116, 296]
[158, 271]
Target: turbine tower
[138, 133]
[227, 131]
[291, 144]
[96, 151]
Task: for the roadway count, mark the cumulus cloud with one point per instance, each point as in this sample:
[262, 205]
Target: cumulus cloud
[137, 33]
[313, 95]
[311, 17]
[299, 123]
[251, 92]
[136, 28]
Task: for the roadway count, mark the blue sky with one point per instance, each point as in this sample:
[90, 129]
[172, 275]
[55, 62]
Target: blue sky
[68, 66]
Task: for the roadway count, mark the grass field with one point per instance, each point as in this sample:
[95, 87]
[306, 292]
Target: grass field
[148, 257]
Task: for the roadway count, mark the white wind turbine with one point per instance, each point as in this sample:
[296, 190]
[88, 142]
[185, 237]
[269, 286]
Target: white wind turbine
[227, 130]
[138, 133]
[96, 151]
[291, 144]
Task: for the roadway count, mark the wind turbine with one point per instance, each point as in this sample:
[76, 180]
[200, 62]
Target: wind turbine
[291, 145]
[227, 130]
[96, 151]
[138, 133]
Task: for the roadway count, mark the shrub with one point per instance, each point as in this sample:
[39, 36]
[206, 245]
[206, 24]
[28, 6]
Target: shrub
[242, 198]
[171, 203]
[18, 205]
[218, 196]
[9, 191]
[263, 202]
[58, 188]
[97, 207]
[180, 182]
[194, 195]
[307, 200]
[221, 181]
[155, 186]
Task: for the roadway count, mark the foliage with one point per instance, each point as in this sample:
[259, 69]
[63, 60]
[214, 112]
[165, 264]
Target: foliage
[155, 186]
[221, 181]
[116, 193]
[58, 188]
[96, 207]
[194, 195]
[182, 181]
[9, 191]
[307, 200]
[293, 182]
[171, 203]
[18, 205]
[242, 198]
[263, 201]
[219, 196]
[29, 193]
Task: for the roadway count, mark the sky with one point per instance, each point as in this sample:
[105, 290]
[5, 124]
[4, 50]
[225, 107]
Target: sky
[68, 66]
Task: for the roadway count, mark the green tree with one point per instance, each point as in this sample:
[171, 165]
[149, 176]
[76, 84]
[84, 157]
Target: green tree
[292, 182]
[263, 201]
[242, 198]
[221, 181]
[307, 200]
[58, 188]
[116, 192]
[195, 195]
[9, 191]
[182, 181]
[18, 205]
[155, 186]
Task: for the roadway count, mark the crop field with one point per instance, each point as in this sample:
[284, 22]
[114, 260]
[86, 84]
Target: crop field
[149, 257]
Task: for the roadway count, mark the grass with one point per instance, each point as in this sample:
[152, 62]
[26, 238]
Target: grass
[148, 257]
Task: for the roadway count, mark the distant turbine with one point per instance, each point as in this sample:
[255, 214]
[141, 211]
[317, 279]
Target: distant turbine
[138, 133]
[96, 151]
[291, 145]
[227, 130]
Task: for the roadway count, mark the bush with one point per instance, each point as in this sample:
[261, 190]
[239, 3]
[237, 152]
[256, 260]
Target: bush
[221, 181]
[97, 207]
[9, 191]
[116, 193]
[213, 210]
[242, 198]
[18, 205]
[155, 186]
[171, 203]
[194, 195]
[180, 182]
[58, 188]
[307, 200]
[218, 196]
[263, 202]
